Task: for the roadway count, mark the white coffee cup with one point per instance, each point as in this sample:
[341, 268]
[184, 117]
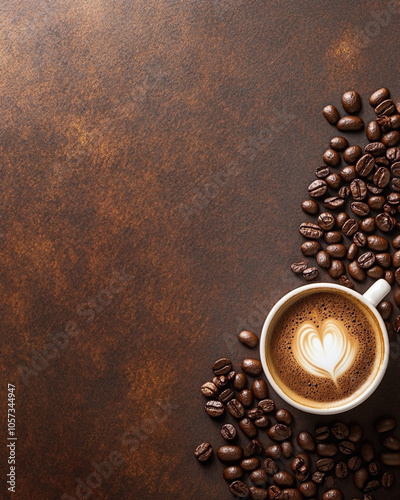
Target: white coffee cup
[370, 299]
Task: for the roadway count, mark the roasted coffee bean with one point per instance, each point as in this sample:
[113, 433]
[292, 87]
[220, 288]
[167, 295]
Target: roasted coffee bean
[230, 453]
[381, 161]
[341, 470]
[386, 107]
[339, 143]
[350, 227]
[393, 154]
[385, 308]
[376, 202]
[355, 433]
[337, 269]
[379, 96]
[214, 408]
[287, 448]
[327, 449]
[239, 489]
[318, 477]
[240, 380]
[310, 230]
[367, 451]
[345, 281]
[356, 272]
[306, 441]
[203, 452]
[365, 165]
[361, 209]
[395, 184]
[333, 494]
[270, 466]
[334, 181]
[226, 395]
[390, 458]
[333, 202]
[297, 268]
[352, 251]
[376, 149]
[323, 259]
[283, 416]
[360, 239]
[301, 466]
[373, 131]
[385, 424]
[377, 243]
[250, 339]
[350, 123]
[222, 366]
[331, 237]
[252, 366]
[267, 405]
[354, 463]
[322, 433]
[310, 273]
[231, 376]
[385, 222]
[283, 478]
[255, 413]
[374, 189]
[351, 102]
[258, 493]
[289, 494]
[248, 428]
[260, 389]
[396, 258]
[337, 251]
[235, 408]
[348, 173]
[387, 479]
[331, 157]
[352, 154]
[391, 139]
[326, 221]
[393, 199]
[232, 472]
[341, 218]
[228, 432]
[396, 242]
[383, 259]
[279, 432]
[360, 478]
[322, 172]
[358, 189]
[344, 192]
[253, 448]
[372, 485]
[209, 390]
[340, 430]
[246, 397]
[262, 422]
[310, 207]
[308, 489]
[365, 261]
[368, 225]
[393, 121]
[375, 272]
[374, 468]
[325, 464]
[310, 247]
[221, 382]
[259, 477]
[381, 177]
[347, 447]
[391, 442]
[317, 188]
[273, 451]
[331, 114]
[250, 463]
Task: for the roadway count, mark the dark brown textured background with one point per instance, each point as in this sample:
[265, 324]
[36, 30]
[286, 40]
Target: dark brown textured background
[169, 141]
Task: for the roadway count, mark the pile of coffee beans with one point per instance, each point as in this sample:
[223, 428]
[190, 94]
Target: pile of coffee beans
[279, 463]
[355, 200]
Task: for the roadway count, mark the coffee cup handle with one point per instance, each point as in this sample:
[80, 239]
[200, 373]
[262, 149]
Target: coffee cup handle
[377, 292]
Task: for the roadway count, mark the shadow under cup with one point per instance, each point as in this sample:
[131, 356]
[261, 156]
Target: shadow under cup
[324, 348]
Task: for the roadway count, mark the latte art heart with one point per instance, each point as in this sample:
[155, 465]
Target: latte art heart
[325, 352]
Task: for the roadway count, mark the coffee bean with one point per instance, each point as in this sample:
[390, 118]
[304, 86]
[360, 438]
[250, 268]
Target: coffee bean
[395, 184]
[345, 281]
[383, 259]
[331, 114]
[246, 397]
[373, 131]
[333, 202]
[360, 239]
[331, 157]
[248, 464]
[317, 188]
[259, 477]
[351, 102]
[355, 433]
[248, 428]
[376, 202]
[308, 489]
[255, 413]
[358, 189]
[381, 161]
[394, 120]
[381, 177]
[322, 433]
[375, 272]
[352, 154]
[385, 222]
[385, 308]
[226, 395]
[322, 172]
[221, 382]
[368, 225]
[337, 269]
[350, 123]
[222, 366]
[287, 448]
[209, 390]
[352, 251]
[289, 494]
[390, 458]
[393, 154]
[214, 408]
[279, 432]
[310, 273]
[228, 432]
[391, 442]
[360, 478]
[273, 451]
[354, 463]
[235, 408]
[310, 247]
[283, 478]
[283, 416]
[372, 485]
[391, 139]
[318, 477]
[395, 169]
[250, 339]
[301, 466]
[327, 449]
[310, 207]
[273, 492]
[366, 260]
[323, 259]
[386, 107]
[341, 218]
[387, 479]
[331, 237]
[270, 466]
[339, 143]
[334, 180]
[306, 441]
[203, 452]
[385, 424]
[347, 447]
[365, 165]
[325, 464]
[333, 494]
[231, 376]
[232, 472]
[253, 366]
[310, 230]
[239, 489]
[377, 243]
[360, 208]
[348, 173]
[267, 405]
[240, 381]
[340, 430]
[344, 192]
[337, 251]
[341, 470]
[350, 227]
[230, 453]
[356, 272]
[393, 199]
[258, 493]
[379, 96]
[374, 189]
[260, 389]
[374, 468]
[253, 448]
[367, 451]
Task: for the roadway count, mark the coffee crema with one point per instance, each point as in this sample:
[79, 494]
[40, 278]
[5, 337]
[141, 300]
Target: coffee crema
[324, 348]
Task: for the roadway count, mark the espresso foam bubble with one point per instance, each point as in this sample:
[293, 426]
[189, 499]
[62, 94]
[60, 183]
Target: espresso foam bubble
[324, 326]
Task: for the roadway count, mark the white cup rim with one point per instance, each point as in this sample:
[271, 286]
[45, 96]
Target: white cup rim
[361, 397]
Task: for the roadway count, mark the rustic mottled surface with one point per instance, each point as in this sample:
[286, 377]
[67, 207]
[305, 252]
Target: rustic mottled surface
[169, 141]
